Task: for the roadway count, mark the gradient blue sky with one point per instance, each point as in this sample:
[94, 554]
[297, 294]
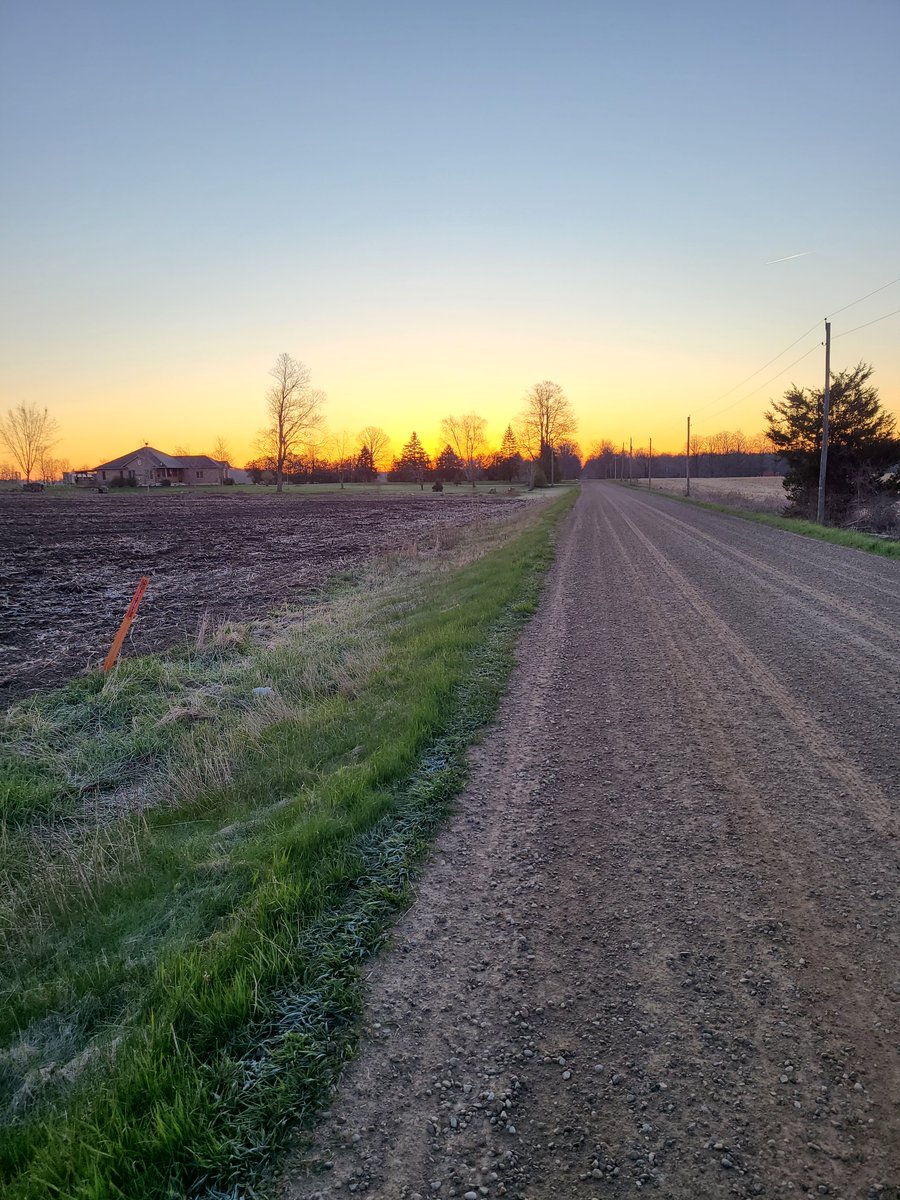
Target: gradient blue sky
[436, 205]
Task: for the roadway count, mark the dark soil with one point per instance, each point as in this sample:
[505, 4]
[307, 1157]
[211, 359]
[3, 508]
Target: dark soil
[69, 565]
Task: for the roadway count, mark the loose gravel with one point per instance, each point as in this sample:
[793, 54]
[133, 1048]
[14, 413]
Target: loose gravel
[657, 946]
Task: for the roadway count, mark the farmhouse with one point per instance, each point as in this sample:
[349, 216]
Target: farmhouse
[147, 467]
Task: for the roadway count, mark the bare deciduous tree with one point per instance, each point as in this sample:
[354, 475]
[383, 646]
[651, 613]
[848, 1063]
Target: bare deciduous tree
[375, 445]
[546, 420]
[29, 433]
[294, 408]
[466, 435]
[342, 446]
[313, 454]
[53, 469]
[221, 451]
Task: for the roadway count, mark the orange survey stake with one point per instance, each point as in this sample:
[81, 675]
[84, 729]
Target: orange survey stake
[130, 614]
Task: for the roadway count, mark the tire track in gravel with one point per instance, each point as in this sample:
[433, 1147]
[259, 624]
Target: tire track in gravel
[781, 584]
[879, 808]
[802, 551]
[653, 948]
[707, 700]
[877, 576]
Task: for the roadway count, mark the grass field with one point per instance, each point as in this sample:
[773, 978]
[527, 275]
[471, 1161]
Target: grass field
[192, 871]
[764, 490]
[762, 500]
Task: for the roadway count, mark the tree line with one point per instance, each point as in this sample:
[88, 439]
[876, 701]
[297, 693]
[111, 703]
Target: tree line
[321, 463]
[862, 478]
[293, 447]
[537, 447]
[727, 454]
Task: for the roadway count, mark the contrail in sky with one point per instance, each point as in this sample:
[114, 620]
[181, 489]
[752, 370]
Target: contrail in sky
[788, 257]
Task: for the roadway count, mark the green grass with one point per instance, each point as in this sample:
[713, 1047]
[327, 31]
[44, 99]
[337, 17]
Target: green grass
[194, 876]
[823, 533]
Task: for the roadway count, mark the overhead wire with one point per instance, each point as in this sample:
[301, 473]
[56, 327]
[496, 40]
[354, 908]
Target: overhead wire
[866, 324]
[853, 303]
[759, 370]
[805, 354]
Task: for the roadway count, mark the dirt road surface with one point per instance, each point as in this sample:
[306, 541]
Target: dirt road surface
[657, 946]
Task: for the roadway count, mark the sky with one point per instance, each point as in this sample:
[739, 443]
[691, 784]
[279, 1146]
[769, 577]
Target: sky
[434, 205]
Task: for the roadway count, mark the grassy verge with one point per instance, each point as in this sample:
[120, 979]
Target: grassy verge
[823, 533]
[192, 872]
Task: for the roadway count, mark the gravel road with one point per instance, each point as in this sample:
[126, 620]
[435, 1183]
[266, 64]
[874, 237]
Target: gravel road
[657, 946]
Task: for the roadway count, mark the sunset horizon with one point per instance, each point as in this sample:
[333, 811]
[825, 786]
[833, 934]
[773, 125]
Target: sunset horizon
[400, 207]
[508, 813]
[182, 419]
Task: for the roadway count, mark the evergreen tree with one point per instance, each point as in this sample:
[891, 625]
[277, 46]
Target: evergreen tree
[509, 446]
[365, 465]
[448, 466]
[414, 464]
[862, 442]
[509, 460]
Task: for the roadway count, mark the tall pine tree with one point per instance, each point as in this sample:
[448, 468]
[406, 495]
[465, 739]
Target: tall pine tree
[414, 464]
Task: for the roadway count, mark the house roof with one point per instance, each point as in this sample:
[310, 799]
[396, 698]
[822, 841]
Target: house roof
[115, 464]
[195, 460]
[159, 459]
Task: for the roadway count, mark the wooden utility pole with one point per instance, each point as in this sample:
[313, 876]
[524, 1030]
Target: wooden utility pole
[650, 466]
[687, 460]
[630, 459]
[826, 402]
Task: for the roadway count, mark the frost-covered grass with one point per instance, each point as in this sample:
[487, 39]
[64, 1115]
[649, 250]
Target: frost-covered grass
[192, 873]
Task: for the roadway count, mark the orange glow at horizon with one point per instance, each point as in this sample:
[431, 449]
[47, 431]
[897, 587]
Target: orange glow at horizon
[193, 416]
[418, 223]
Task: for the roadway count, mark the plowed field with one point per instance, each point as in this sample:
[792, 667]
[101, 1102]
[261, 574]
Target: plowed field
[68, 566]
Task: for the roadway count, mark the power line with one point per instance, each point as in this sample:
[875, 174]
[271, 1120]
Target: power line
[883, 288]
[865, 325]
[868, 323]
[759, 370]
[805, 354]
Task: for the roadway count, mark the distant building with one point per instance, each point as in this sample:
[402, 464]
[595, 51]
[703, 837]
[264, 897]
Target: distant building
[147, 467]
